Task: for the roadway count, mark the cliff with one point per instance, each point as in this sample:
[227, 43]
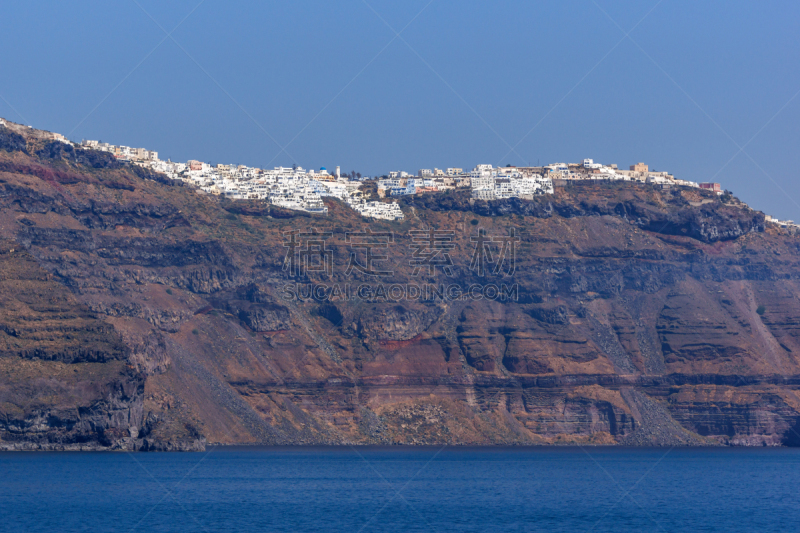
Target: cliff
[140, 314]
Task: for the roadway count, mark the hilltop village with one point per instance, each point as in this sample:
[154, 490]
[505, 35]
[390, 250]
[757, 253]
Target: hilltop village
[290, 188]
[303, 189]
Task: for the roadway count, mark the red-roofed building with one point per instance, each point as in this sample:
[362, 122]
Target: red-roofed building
[711, 187]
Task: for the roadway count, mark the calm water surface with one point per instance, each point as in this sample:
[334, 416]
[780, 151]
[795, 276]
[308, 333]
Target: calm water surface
[397, 489]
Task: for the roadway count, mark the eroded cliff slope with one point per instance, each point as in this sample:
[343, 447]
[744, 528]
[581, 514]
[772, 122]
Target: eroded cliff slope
[140, 314]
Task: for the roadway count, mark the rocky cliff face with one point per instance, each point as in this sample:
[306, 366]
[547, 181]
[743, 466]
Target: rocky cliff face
[140, 314]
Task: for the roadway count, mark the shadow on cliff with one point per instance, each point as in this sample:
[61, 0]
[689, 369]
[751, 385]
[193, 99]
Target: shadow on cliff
[792, 436]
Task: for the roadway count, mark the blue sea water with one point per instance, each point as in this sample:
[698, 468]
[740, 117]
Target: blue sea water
[401, 489]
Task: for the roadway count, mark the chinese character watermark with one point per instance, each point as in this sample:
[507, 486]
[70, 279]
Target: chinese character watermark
[375, 249]
[506, 260]
[306, 252]
[432, 249]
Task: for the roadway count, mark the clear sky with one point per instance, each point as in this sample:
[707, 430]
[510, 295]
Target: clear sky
[325, 83]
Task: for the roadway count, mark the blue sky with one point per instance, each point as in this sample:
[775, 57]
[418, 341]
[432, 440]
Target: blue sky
[324, 83]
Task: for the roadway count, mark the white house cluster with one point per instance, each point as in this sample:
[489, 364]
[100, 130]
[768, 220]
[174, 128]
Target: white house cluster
[301, 189]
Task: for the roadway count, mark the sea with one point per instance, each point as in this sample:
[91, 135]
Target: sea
[382, 489]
